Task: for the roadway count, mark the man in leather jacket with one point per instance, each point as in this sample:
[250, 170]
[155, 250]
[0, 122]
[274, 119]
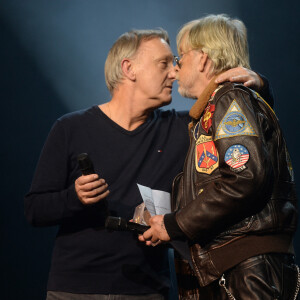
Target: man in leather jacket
[235, 203]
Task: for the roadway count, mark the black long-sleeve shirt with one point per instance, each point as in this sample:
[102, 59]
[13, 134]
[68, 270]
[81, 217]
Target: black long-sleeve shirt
[86, 257]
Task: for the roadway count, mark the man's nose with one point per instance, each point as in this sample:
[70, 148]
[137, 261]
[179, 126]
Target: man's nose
[176, 67]
[172, 72]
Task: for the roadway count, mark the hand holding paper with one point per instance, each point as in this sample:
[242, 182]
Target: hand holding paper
[158, 203]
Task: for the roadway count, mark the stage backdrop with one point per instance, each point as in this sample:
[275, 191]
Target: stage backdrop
[52, 61]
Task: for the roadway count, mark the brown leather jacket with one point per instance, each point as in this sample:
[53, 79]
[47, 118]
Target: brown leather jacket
[236, 197]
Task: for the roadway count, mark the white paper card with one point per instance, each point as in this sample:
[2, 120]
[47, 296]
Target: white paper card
[157, 202]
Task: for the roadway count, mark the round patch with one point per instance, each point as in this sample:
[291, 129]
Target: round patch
[234, 123]
[236, 157]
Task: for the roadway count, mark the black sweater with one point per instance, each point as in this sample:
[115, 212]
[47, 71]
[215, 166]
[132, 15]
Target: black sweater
[86, 257]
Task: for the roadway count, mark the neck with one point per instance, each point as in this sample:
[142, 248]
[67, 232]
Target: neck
[124, 110]
[203, 98]
[205, 77]
[204, 82]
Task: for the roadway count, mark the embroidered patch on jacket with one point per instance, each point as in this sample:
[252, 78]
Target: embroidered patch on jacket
[234, 123]
[206, 155]
[196, 131]
[206, 120]
[236, 157]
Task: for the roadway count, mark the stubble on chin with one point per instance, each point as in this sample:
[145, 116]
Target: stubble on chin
[184, 93]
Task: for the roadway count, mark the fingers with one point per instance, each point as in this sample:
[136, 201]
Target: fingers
[147, 235]
[242, 75]
[247, 80]
[238, 74]
[228, 75]
[232, 77]
[149, 242]
[239, 78]
[141, 238]
[157, 243]
[250, 83]
[90, 189]
[95, 192]
[87, 178]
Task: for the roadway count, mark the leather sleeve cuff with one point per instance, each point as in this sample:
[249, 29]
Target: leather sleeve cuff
[172, 227]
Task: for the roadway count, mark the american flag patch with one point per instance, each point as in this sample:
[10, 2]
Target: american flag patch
[236, 157]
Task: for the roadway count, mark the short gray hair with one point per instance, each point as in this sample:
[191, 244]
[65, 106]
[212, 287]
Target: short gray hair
[126, 46]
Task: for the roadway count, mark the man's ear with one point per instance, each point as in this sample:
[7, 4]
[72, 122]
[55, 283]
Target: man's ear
[128, 69]
[203, 61]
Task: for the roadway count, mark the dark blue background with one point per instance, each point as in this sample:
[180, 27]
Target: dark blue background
[52, 61]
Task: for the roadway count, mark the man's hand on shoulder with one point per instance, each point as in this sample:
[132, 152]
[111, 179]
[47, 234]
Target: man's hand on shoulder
[242, 75]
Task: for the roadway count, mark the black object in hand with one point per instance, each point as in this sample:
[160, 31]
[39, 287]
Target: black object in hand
[120, 224]
[85, 164]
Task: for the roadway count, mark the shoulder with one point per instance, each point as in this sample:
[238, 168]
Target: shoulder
[233, 89]
[78, 115]
[230, 92]
[70, 122]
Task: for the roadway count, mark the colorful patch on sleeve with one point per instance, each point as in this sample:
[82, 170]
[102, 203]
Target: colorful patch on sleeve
[206, 120]
[236, 157]
[206, 155]
[234, 123]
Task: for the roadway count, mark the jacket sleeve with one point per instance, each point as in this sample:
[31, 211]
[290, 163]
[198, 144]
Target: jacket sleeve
[230, 193]
[52, 196]
[266, 91]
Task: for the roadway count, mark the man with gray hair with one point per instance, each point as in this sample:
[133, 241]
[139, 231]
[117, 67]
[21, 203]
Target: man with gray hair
[130, 141]
[235, 203]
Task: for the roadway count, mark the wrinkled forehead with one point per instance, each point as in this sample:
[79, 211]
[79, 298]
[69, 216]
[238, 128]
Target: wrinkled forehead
[155, 47]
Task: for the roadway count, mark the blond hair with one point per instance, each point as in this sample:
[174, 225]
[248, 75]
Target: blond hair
[222, 38]
[127, 46]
